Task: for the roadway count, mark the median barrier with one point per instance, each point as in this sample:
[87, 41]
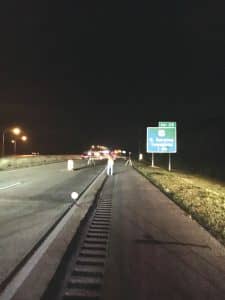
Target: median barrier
[14, 162]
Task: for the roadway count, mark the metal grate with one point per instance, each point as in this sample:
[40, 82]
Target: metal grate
[86, 279]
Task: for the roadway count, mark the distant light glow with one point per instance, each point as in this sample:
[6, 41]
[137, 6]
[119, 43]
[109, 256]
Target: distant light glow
[16, 131]
[105, 151]
[117, 151]
[140, 156]
[24, 138]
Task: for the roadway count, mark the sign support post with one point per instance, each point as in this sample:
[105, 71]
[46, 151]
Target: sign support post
[153, 160]
[169, 168]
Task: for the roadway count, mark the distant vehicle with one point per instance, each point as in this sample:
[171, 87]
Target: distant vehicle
[96, 152]
[93, 154]
[35, 153]
[85, 155]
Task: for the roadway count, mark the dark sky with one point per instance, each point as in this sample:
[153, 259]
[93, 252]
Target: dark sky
[74, 73]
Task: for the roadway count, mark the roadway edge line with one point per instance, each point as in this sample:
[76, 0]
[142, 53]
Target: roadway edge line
[9, 186]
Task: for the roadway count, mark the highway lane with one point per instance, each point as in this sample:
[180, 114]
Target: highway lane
[31, 199]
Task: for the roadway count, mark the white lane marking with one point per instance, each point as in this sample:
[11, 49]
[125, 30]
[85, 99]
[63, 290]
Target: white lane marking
[9, 186]
[14, 170]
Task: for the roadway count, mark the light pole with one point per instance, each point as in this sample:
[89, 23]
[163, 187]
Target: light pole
[3, 143]
[23, 138]
[15, 131]
[14, 143]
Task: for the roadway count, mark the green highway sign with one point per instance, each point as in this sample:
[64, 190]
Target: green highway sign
[167, 124]
[161, 139]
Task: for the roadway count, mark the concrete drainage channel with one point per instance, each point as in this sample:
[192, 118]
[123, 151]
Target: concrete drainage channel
[81, 274]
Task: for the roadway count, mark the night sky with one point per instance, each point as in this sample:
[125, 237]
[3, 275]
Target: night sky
[76, 73]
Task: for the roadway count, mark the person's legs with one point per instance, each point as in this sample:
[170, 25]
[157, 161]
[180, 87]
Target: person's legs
[107, 169]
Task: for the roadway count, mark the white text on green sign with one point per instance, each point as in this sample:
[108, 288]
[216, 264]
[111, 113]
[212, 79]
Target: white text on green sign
[167, 124]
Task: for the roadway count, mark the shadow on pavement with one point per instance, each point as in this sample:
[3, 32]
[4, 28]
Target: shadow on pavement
[120, 172]
[152, 241]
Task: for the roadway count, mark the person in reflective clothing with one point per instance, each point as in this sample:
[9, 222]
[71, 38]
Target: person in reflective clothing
[110, 164]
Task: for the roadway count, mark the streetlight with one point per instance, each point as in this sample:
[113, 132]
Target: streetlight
[23, 138]
[15, 131]
[14, 143]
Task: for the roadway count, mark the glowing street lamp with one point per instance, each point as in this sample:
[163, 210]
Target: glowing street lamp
[15, 131]
[24, 138]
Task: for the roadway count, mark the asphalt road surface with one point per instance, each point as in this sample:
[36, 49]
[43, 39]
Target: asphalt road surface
[156, 250]
[31, 199]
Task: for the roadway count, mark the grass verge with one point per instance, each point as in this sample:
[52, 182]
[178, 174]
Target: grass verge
[202, 198]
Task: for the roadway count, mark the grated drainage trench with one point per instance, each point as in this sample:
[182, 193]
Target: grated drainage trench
[85, 273]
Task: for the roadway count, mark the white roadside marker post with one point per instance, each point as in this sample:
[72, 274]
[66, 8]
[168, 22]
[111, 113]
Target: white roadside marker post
[70, 165]
[140, 156]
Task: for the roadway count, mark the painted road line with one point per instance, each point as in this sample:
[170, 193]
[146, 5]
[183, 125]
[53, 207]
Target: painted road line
[9, 186]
